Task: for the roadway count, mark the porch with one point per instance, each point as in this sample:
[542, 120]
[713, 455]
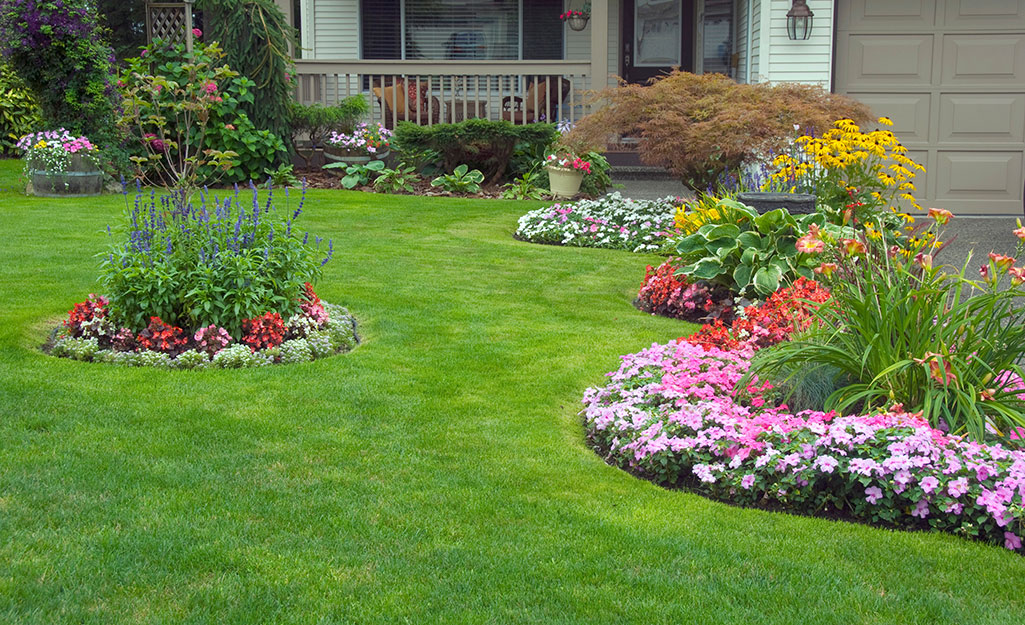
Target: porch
[432, 91]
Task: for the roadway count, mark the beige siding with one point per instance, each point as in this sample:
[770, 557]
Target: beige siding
[756, 38]
[578, 43]
[740, 37]
[798, 61]
[335, 28]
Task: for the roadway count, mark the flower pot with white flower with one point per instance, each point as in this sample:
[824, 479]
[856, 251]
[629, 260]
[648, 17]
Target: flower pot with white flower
[566, 171]
[365, 143]
[58, 164]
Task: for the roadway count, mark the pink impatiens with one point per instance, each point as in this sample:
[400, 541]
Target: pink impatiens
[672, 413]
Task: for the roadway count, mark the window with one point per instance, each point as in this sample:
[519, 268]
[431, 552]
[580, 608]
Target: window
[462, 29]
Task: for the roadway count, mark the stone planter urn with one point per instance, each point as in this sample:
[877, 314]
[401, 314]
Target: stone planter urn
[564, 181]
[82, 178]
[796, 203]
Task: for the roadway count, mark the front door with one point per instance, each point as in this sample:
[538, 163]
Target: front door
[657, 36]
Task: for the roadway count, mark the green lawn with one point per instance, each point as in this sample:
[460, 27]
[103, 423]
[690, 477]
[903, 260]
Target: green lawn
[436, 474]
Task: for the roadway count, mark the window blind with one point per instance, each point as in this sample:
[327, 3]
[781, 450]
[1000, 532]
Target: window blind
[462, 29]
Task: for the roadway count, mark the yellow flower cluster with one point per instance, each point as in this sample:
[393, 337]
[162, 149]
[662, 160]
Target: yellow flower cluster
[41, 144]
[853, 155]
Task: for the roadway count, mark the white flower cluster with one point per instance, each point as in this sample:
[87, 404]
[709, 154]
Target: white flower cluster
[612, 222]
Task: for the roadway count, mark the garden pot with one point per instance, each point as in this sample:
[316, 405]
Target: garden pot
[564, 181]
[577, 22]
[796, 203]
[82, 178]
[351, 157]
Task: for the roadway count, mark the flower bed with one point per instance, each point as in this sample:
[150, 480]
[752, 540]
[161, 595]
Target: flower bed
[318, 330]
[611, 222]
[672, 414]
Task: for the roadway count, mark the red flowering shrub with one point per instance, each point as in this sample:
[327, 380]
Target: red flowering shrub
[263, 332]
[161, 337]
[788, 310]
[666, 294]
[84, 312]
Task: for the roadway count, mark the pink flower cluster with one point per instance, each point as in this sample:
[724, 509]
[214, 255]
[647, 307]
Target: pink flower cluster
[671, 413]
[569, 161]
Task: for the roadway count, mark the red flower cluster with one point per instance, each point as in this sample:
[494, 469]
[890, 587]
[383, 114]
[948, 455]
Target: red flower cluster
[786, 311]
[568, 14]
[263, 332]
[666, 294]
[161, 337]
[93, 308]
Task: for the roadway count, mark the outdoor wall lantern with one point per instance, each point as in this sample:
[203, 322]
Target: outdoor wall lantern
[799, 21]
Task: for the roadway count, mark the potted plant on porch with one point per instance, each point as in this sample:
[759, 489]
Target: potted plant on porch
[565, 172]
[577, 19]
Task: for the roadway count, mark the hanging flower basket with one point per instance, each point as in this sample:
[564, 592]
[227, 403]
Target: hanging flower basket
[577, 20]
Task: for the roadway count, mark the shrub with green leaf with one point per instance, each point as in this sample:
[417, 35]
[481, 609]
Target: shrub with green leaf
[748, 253]
[189, 105]
[901, 330]
[478, 143]
[699, 126]
[218, 263]
[256, 38]
[313, 123]
[58, 50]
[19, 111]
[462, 180]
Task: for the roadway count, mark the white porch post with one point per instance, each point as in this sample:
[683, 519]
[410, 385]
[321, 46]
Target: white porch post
[599, 44]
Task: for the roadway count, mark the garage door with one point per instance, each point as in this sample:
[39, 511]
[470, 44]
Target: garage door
[951, 75]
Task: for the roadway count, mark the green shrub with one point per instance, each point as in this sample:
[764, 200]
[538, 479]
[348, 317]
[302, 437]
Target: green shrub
[478, 143]
[58, 51]
[216, 263]
[314, 122]
[700, 126]
[19, 111]
[462, 180]
[179, 105]
[256, 37]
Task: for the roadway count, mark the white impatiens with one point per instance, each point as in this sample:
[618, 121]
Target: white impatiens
[612, 222]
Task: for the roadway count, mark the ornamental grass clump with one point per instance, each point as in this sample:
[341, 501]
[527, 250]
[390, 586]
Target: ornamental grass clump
[900, 328]
[216, 262]
[611, 222]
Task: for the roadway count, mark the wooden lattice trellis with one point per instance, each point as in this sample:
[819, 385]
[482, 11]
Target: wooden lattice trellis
[170, 21]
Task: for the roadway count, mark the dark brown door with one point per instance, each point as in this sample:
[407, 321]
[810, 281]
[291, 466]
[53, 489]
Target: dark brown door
[657, 35]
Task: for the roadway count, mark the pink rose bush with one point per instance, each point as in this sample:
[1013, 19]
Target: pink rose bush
[672, 414]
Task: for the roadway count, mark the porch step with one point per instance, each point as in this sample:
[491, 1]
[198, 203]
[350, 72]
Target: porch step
[639, 172]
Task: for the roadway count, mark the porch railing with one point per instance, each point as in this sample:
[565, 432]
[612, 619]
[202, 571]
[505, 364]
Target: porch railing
[429, 92]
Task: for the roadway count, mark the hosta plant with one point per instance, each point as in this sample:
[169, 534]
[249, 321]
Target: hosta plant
[461, 180]
[748, 253]
[357, 174]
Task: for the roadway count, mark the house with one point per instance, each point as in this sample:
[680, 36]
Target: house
[950, 73]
